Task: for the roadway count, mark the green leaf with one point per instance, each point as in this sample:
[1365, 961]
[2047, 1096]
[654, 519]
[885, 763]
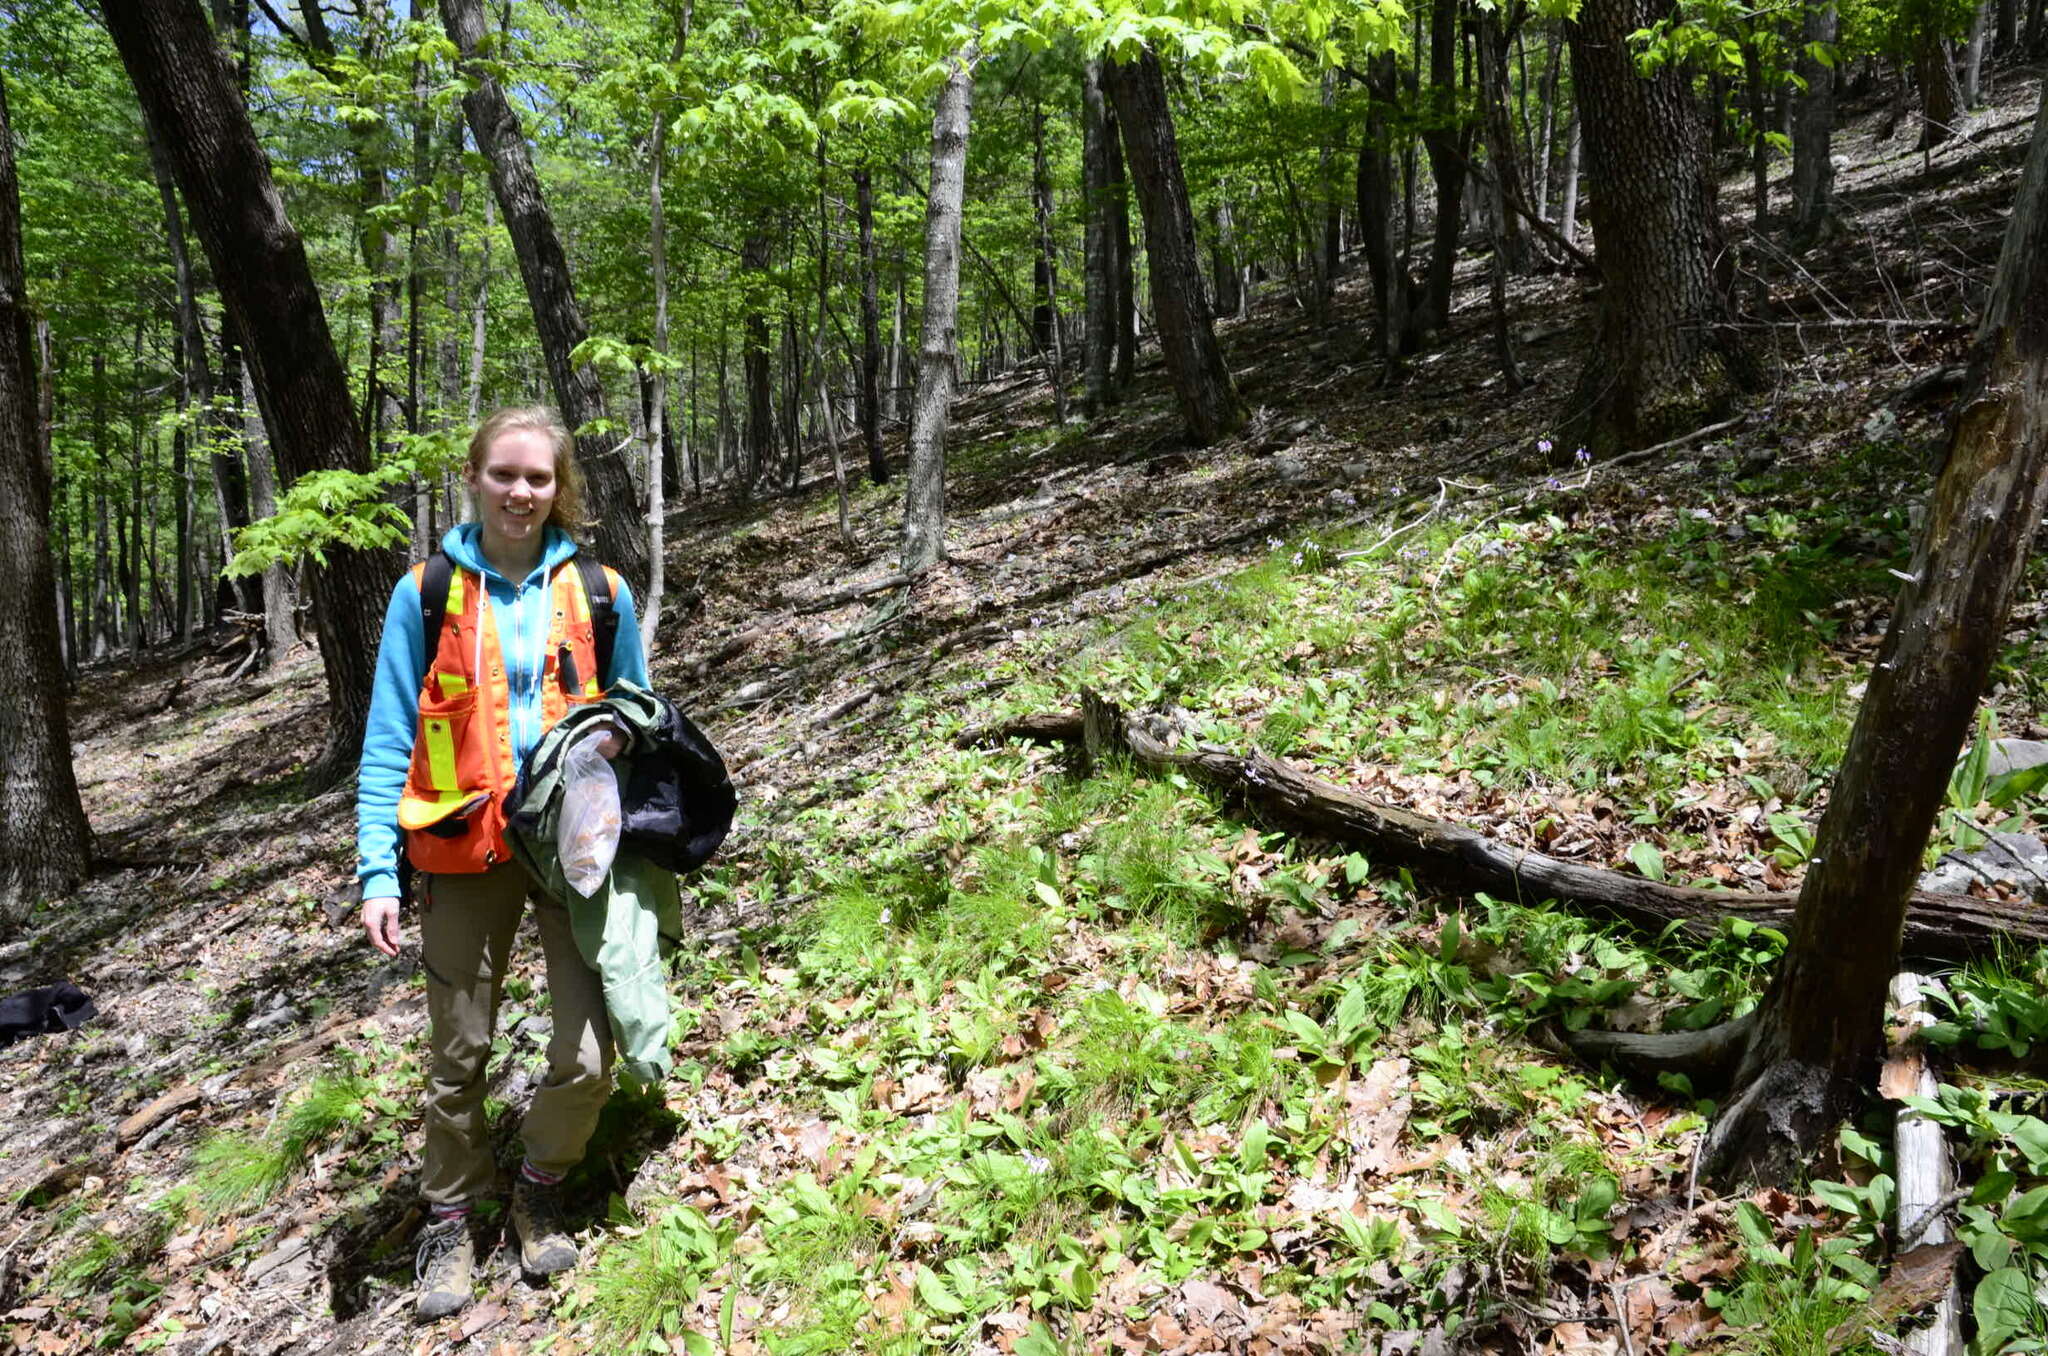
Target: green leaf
[2008, 789]
[1648, 860]
[2003, 1305]
[936, 1296]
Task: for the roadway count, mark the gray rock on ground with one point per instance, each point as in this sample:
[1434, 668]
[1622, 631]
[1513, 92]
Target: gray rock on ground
[2013, 857]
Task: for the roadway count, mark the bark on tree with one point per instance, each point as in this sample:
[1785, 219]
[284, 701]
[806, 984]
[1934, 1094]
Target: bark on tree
[870, 329]
[1941, 95]
[183, 81]
[758, 361]
[1813, 125]
[1503, 169]
[924, 514]
[45, 843]
[1447, 143]
[1209, 404]
[1666, 359]
[1973, 63]
[1394, 303]
[1098, 249]
[1045, 281]
[545, 268]
[1123, 267]
[1815, 1038]
[1568, 210]
[280, 596]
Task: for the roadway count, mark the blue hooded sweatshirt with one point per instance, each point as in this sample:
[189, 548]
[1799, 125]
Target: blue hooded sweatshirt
[521, 611]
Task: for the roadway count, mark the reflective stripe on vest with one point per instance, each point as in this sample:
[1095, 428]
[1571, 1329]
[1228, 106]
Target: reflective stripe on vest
[452, 808]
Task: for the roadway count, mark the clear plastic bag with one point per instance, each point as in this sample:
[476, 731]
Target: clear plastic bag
[587, 831]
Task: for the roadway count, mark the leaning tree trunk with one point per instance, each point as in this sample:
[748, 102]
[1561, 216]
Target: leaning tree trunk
[1209, 404]
[183, 82]
[924, 513]
[549, 291]
[1666, 359]
[1815, 1039]
[1813, 125]
[45, 845]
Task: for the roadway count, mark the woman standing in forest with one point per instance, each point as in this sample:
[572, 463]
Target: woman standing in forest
[463, 693]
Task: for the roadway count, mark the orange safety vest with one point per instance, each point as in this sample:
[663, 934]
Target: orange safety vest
[453, 807]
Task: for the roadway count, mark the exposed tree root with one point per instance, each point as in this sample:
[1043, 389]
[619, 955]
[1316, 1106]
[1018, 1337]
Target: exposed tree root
[1709, 1058]
[1939, 927]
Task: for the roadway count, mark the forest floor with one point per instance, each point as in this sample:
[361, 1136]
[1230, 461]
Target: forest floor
[980, 1051]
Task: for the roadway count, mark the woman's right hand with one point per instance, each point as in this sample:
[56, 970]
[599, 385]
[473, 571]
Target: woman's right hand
[380, 920]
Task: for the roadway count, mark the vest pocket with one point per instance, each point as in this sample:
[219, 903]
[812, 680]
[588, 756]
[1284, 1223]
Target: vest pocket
[437, 793]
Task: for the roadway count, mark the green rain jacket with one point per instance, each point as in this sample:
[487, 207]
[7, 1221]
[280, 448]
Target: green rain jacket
[627, 928]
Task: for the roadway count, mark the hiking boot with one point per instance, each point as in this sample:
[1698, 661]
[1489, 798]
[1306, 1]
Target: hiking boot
[544, 1244]
[444, 1265]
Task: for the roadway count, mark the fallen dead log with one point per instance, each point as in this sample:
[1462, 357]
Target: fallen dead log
[1938, 927]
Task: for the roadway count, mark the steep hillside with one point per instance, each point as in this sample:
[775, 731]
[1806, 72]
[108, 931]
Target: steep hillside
[984, 1050]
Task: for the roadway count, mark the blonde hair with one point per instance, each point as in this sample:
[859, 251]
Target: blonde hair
[569, 512]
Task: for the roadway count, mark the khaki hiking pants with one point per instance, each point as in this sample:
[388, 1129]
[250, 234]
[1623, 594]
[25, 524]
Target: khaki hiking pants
[467, 923]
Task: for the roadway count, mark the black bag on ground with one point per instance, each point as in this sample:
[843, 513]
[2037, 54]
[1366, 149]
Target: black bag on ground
[36, 1012]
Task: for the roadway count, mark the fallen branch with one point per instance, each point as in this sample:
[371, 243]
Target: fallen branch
[853, 593]
[1941, 927]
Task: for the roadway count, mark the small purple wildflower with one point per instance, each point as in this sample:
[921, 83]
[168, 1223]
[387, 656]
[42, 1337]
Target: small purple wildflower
[1543, 445]
[1554, 483]
[1583, 457]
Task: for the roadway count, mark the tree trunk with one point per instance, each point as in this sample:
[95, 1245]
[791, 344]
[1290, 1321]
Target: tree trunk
[1503, 170]
[1568, 211]
[260, 265]
[1447, 143]
[1045, 278]
[1973, 66]
[1813, 125]
[1759, 119]
[1393, 299]
[924, 513]
[1666, 360]
[759, 361]
[2008, 27]
[1123, 270]
[45, 844]
[1227, 282]
[557, 317]
[1098, 249]
[1816, 1036]
[1209, 406]
[1941, 97]
[280, 594]
[870, 329]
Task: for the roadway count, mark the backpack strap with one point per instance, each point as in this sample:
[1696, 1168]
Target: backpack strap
[435, 577]
[604, 612]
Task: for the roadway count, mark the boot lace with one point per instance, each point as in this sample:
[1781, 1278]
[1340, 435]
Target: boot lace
[438, 1243]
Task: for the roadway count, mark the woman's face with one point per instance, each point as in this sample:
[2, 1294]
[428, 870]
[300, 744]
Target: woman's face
[515, 486]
